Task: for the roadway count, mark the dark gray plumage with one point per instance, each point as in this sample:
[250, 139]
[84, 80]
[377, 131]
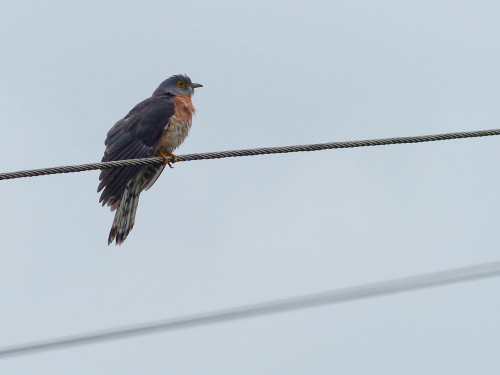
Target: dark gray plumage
[155, 126]
[134, 136]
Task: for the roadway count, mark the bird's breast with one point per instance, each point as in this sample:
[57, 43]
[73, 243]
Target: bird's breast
[178, 126]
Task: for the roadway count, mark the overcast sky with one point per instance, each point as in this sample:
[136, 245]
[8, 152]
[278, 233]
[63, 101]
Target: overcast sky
[222, 233]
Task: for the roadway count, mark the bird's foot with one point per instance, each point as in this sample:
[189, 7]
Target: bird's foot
[165, 156]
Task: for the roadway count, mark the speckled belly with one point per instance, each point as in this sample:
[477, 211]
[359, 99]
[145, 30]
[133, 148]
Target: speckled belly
[175, 133]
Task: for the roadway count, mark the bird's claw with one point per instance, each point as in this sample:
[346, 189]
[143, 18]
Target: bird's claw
[165, 157]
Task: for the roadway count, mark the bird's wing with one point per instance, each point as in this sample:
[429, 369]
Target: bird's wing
[134, 136]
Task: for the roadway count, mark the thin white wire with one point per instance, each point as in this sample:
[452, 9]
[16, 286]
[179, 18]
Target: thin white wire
[312, 300]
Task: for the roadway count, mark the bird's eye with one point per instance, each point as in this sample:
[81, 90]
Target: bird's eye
[181, 84]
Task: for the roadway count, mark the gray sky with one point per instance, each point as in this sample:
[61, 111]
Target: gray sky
[217, 234]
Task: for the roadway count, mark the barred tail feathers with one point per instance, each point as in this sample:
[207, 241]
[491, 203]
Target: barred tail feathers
[125, 214]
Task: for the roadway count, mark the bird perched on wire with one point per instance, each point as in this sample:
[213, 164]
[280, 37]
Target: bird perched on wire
[154, 127]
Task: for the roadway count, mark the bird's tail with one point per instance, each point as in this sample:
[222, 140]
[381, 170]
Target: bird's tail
[125, 214]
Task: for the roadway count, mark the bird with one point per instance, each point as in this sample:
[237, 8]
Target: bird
[154, 127]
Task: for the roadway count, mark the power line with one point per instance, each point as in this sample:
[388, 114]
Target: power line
[313, 300]
[250, 152]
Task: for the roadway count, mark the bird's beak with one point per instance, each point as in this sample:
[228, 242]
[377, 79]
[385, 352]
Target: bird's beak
[195, 85]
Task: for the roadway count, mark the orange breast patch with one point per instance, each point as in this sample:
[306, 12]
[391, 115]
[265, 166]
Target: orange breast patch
[184, 108]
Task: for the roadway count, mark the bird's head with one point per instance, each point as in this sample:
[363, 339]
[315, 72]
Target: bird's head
[177, 85]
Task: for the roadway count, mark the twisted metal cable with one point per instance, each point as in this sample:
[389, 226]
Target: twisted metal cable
[385, 288]
[250, 152]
